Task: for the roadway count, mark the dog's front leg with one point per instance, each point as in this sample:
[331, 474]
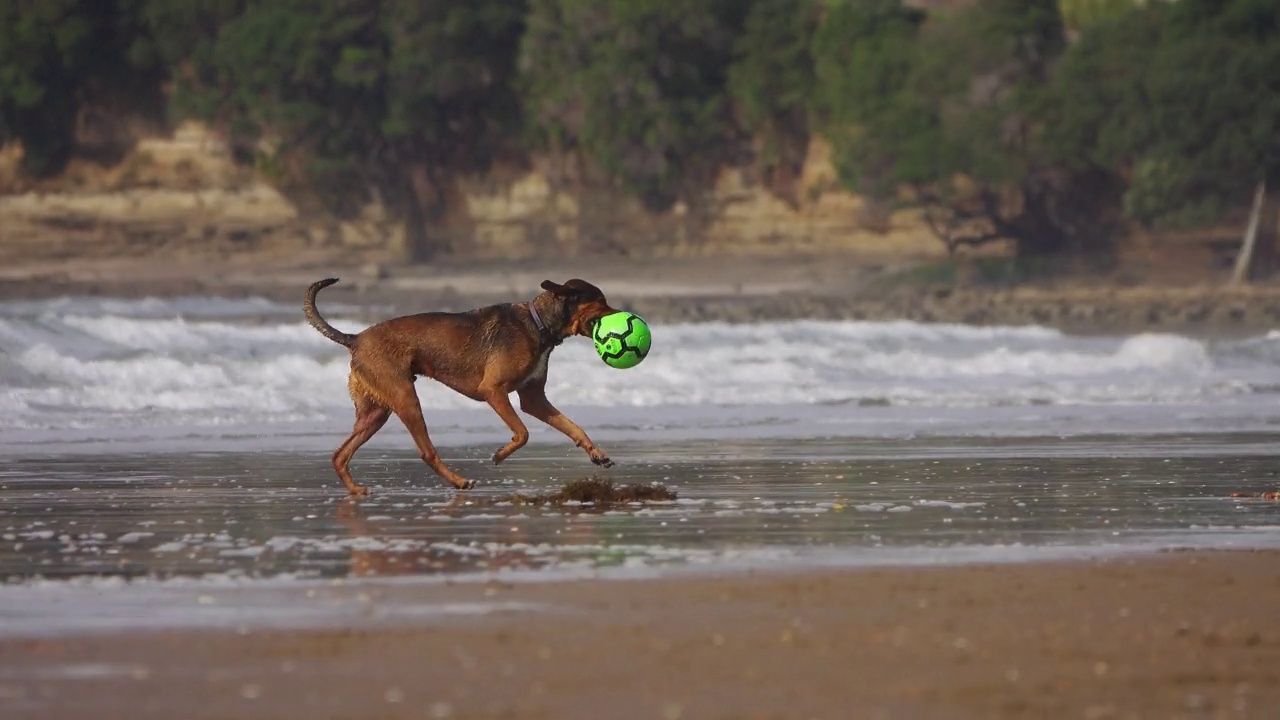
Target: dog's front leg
[501, 404]
[533, 400]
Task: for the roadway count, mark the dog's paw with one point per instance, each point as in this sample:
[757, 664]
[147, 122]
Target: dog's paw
[601, 459]
[498, 457]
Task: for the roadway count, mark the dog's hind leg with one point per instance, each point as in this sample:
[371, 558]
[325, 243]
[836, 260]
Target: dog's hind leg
[501, 404]
[404, 403]
[371, 415]
[369, 420]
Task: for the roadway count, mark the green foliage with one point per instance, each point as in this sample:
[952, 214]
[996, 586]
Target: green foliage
[772, 76]
[182, 36]
[1228, 131]
[907, 101]
[450, 74]
[1159, 196]
[980, 75]
[1078, 14]
[1100, 77]
[351, 96]
[1165, 111]
[638, 87]
[40, 50]
[318, 115]
[1153, 183]
[865, 52]
[1185, 94]
[56, 56]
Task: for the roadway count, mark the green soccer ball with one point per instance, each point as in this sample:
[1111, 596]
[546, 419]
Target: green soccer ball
[622, 339]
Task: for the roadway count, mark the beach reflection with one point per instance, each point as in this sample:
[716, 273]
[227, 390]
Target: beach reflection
[505, 548]
[768, 503]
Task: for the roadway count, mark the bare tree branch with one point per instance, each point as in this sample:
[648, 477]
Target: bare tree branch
[975, 240]
[956, 215]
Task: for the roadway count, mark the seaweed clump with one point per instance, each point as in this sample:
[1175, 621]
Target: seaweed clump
[1269, 495]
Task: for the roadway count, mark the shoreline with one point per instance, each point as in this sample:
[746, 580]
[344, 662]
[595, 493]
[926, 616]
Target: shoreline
[729, 289]
[1177, 634]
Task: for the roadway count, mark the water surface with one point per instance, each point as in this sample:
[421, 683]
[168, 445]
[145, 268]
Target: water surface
[166, 462]
[273, 514]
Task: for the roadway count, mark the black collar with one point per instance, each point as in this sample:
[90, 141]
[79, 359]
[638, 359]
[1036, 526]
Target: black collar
[536, 320]
[543, 333]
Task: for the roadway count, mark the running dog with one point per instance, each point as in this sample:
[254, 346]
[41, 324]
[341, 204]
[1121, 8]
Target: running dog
[485, 354]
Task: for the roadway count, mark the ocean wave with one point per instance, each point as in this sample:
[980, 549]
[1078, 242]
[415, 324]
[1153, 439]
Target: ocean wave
[75, 364]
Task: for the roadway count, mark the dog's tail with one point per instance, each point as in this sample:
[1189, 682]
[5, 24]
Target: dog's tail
[319, 323]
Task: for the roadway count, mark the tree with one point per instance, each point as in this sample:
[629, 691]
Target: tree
[635, 87]
[452, 103]
[1184, 99]
[59, 57]
[1216, 140]
[1222, 137]
[951, 108]
[864, 54]
[770, 82]
[340, 101]
[1080, 14]
[181, 37]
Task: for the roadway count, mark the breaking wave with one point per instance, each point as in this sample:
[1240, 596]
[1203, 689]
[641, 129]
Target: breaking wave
[67, 363]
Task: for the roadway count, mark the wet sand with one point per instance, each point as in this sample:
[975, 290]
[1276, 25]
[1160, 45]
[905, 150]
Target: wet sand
[1175, 635]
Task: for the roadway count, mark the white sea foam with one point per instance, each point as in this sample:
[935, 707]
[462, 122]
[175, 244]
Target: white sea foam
[157, 363]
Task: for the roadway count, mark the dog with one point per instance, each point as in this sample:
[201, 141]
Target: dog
[485, 354]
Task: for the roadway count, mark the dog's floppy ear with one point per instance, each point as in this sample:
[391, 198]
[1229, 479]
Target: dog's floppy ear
[583, 290]
[574, 289]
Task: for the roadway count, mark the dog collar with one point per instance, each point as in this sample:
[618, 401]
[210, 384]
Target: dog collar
[545, 334]
[542, 327]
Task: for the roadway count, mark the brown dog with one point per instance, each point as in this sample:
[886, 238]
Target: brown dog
[485, 354]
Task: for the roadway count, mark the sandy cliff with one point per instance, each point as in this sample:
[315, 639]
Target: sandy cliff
[184, 197]
[177, 216]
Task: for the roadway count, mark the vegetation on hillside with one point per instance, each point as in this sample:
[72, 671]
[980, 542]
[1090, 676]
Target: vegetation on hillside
[1051, 124]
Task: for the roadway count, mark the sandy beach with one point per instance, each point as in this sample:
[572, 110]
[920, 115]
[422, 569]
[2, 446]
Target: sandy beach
[172, 425]
[791, 579]
[962, 400]
[1178, 635]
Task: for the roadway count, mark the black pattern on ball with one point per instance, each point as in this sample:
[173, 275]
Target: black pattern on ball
[615, 344]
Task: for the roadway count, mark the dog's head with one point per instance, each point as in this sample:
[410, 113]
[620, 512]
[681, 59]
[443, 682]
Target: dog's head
[582, 304]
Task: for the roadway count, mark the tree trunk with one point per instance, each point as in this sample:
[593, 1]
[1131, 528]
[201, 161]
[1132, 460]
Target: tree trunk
[1039, 234]
[422, 241]
[1244, 260]
[1266, 254]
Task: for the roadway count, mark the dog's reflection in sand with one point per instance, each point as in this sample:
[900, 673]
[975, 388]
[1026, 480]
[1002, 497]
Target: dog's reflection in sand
[590, 495]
